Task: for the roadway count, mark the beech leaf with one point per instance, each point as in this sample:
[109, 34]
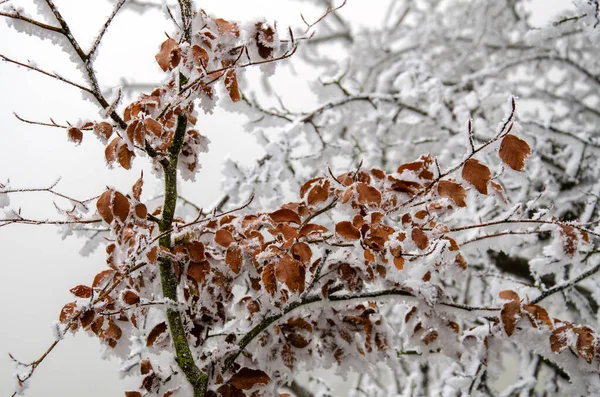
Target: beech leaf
[514, 151]
[156, 333]
[477, 174]
[454, 191]
[347, 230]
[247, 378]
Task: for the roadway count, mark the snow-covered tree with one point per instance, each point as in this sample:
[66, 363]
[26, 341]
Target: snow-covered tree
[434, 214]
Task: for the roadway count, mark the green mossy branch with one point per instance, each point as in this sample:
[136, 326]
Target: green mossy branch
[183, 354]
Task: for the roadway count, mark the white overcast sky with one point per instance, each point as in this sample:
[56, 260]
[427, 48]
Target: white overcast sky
[38, 268]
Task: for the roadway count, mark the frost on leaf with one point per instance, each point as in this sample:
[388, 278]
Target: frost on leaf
[454, 191]
[510, 314]
[514, 151]
[169, 55]
[247, 378]
[285, 215]
[224, 238]
[75, 135]
[477, 174]
[290, 272]
[420, 238]
[103, 130]
[113, 204]
[368, 194]
[82, 291]
[347, 230]
[156, 335]
[233, 257]
[231, 85]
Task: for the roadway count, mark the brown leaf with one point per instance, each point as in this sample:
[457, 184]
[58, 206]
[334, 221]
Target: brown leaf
[430, 337]
[196, 251]
[153, 127]
[120, 206]
[477, 174]
[113, 331]
[124, 156]
[233, 257]
[509, 315]
[318, 193]
[67, 311]
[268, 279]
[110, 153]
[420, 238]
[102, 277]
[570, 239]
[367, 194]
[224, 238]
[82, 291]
[226, 27]
[285, 215]
[499, 191]
[310, 228]
[297, 340]
[247, 378]
[137, 187]
[539, 315]
[514, 151]
[145, 367]
[509, 295]
[169, 55]
[198, 271]
[231, 85]
[399, 263]
[265, 35]
[586, 343]
[558, 339]
[75, 135]
[140, 210]
[156, 332]
[291, 272]
[130, 297]
[200, 55]
[454, 191]
[133, 394]
[302, 252]
[347, 230]
[103, 130]
[152, 255]
[104, 208]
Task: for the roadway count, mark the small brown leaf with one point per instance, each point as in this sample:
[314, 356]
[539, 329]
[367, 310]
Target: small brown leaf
[268, 279]
[156, 332]
[198, 271]
[104, 207]
[291, 272]
[477, 174]
[509, 315]
[224, 238]
[430, 337]
[200, 55]
[152, 255]
[586, 343]
[137, 187]
[233, 257]
[367, 194]
[509, 295]
[420, 238]
[499, 191]
[302, 252]
[539, 315]
[133, 394]
[285, 215]
[120, 206]
[110, 153]
[75, 135]
[196, 251]
[153, 126]
[347, 230]
[67, 311]
[130, 297]
[247, 378]
[145, 367]
[103, 130]
[514, 151]
[310, 228]
[169, 55]
[124, 156]
[140, 210]
[318, 193]
[399, 263]
[226, 27]
[102, 277]
[558, 339]
[82, 291]
[454, 191]
[231, 85]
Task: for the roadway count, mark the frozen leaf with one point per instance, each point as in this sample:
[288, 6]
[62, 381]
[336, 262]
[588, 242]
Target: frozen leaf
[420, 238]
[499, 191]
[509, 295]
[140, 210]
[514, 151]
[103, 130]
[75, 135]
[169, 55]
[454, 191]
[347, 230]
[570, 239]
[198, 271]
[153, 126]
[224, 238]
[302, 252]
[285, 215]
[196, 251]
[120, 206]
[102, 277]
[367, 194]
[268, 279]
[265, 35]
[231, 85]
[145, 367]
[156, 333]
[82, 291]
[399, 263]
[67, 312]
[318, 193]
[586, 343]
[539, 315]
[130, 297]
[133, 394]
[558, 338]
[311, 228]
[226, 27]
[200, 55]
[152, 255]
[477, 174]
[137, 187]
[247, 378]
[233, 257]
[104, 206]
[509, 315]
[110, 153]
[290, 272]
[430, 337]
[124, 156]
